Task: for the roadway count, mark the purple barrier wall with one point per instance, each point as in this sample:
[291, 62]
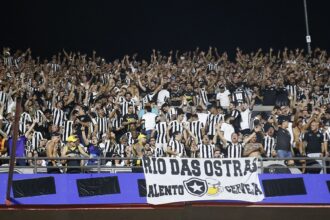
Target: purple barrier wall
[315, 184]
[67, 193]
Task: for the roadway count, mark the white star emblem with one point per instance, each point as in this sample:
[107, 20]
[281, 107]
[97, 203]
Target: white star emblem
[196, 187]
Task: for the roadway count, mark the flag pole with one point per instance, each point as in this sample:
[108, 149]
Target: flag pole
[308, 37]
[13, 150]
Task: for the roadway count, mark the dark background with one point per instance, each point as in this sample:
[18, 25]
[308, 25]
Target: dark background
[116, 28]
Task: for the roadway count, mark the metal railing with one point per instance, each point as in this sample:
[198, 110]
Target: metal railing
[99, 165]
[304, 164]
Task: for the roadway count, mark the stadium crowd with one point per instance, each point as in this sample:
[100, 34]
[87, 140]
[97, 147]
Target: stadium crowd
[191, 104]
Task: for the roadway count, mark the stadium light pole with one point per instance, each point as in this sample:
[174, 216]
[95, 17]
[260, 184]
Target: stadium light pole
[308, 37]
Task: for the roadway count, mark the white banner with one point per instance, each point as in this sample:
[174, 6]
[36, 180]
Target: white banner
[188, 179]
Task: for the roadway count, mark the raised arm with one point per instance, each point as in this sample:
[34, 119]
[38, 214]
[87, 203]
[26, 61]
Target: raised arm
[4, 135]
[246, 140]
[190, 133]
[140, 84]
[81, 150]
[86, 142]
[159, 87]
[28, 132]
[220, 134]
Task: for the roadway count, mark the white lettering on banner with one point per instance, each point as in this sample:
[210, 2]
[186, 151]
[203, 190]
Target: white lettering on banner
[187, 179]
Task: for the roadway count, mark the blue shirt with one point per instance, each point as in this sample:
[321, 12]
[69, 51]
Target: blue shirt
[20, 145]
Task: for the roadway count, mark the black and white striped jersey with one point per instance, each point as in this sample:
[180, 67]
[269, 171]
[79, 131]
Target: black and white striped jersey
[67, 129]
[203, 96]
[39, 116]
[130, 139]
[212, 66]
[116, 122]
[300, 94]
[92, 125]
[107, 147]
[212, 121]
[55, 67]
[292, 90]
[269, 145]
[177, 147]
[161, 129]
[175, 126]
[327, 138]
[239, 96]
[4, 99]
[7, 127]
[159, 152]
[221, 117]
[206, 150]
[324, 100]
[196, 129]
[104, 78]
[25, 117]
[172, 111]
[35, 141]
[48, 104]
[28, 146]
[121, 99]
[108, 109]
[235, 113]
[147, 98]
[8, 60]
[58, 117]
[120, 150]
[102, 125]
[234, 150]
[125, 104]
[92, 97]
[18, 61]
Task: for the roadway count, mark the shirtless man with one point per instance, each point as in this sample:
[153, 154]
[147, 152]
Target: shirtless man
[139, 149]
[252, 148]
[52, 153]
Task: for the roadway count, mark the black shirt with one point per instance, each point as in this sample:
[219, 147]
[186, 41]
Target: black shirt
[176, 94]
[314, 142]
[82, 118]
[269, 94]
[283, 139]
[190, 95]
[129, 118]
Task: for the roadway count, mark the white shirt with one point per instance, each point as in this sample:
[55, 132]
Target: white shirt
[162, 96]
[227, 129]
[246, 118]
[223, 98]
[202, 117]
[149, 120]
[290, 129]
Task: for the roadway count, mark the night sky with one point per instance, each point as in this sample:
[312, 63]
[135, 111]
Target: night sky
[114, 29]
